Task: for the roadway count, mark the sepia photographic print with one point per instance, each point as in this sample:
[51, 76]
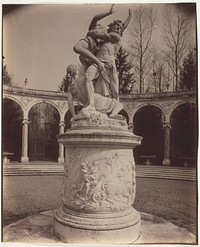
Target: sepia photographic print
[99, 123]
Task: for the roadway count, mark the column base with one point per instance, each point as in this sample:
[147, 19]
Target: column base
[121, 228]
[61, 160]
[166, 162]
[24, 159]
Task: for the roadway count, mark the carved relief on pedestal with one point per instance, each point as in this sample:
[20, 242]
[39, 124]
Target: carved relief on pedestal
[73, 155]
[102, 183]
[133, 179]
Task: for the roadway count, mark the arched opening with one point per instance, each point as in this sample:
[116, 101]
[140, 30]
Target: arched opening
[68, 116]
[183, 148]
[124, 114]
[148, 124]
[12, 129]
[43, 129]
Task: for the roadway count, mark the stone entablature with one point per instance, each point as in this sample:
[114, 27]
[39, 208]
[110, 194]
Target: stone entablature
[158, 95]
[33, 92]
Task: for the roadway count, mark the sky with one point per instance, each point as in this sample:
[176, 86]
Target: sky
[38, 39]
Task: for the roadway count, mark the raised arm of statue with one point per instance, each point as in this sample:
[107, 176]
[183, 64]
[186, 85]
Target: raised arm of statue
[126, 22]
[88, 46]
[82, 48]
[99, 17]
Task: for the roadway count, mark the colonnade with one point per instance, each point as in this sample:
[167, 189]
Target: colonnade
[167, 130]
[165, 102]
[24, 157]
[25, 141]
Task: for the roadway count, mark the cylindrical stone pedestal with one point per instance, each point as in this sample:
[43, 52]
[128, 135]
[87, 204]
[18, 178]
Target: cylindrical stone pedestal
[99, 182]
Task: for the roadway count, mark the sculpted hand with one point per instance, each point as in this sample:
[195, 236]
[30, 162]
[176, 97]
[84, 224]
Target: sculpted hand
[100, 66]
[111, 9]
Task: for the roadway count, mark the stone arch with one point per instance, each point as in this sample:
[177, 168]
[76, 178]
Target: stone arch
[148, 123]
[139, 106]
[38, 101]
[44, 119]
[124, 113]
[184, 134]
[128, 109]
[179, 103]
[16, 100]
[12, 127]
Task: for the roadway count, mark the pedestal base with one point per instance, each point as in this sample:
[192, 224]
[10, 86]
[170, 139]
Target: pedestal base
[61, 160]
[37, 228]
[108, 229]
[99, 182]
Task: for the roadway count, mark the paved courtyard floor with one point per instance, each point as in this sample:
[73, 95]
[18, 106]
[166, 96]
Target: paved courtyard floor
[172, 200]
[38, 228]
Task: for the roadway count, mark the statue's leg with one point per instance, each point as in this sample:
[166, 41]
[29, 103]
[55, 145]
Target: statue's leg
[91, 74]
[114, 114]
[114, 85]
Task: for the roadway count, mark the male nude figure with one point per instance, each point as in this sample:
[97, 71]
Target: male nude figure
[101, 59]
[88, 46]
[106, 82]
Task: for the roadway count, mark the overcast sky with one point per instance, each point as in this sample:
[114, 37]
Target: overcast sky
[38, 39]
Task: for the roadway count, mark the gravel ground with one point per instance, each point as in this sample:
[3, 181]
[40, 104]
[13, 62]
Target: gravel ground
[173, 200]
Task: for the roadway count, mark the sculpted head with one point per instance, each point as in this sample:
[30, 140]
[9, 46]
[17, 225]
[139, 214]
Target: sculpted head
[116, 26]
[72, 72]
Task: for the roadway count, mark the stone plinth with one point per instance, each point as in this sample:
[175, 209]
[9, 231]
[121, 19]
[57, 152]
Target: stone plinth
[99, 182]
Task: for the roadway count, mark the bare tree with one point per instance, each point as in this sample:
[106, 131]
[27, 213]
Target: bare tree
[157, 78]
[176, 38]
[140, 42]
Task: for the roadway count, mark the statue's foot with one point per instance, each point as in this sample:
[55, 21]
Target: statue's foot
[89, 108]
[119, 117]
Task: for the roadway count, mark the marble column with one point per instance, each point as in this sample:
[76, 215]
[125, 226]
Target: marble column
[24, 157]
[61, 146]
[99, 182]
[166, 160]
[131, 126]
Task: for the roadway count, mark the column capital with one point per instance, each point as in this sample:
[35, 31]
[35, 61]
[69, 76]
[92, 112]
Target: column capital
[167, 125]
[131, 126]
[62, 123]
[25, 121]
